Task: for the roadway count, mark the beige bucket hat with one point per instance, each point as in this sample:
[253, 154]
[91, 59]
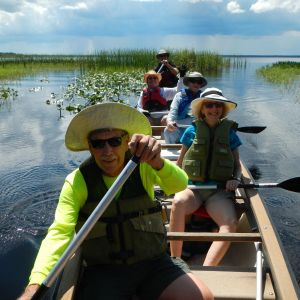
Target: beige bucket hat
[151, 72]
[194, 75]
[104, 115]
[212, 94]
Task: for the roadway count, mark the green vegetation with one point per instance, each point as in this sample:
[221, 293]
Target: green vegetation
[281, 72]
[7, 93]
[100, 87]
[14, 66]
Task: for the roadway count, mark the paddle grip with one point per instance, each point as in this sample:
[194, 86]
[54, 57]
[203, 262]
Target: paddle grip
[40, 293]
[135, 159]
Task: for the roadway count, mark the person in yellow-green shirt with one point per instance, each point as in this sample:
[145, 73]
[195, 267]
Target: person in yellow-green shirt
[125, 253]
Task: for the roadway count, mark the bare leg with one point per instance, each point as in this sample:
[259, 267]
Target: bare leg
[222, 211]
[184, 203]
[186, 287]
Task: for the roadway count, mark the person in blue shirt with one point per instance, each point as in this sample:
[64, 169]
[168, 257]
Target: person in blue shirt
[210, 156]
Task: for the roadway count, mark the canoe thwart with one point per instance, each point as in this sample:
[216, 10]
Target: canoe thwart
[214, 236]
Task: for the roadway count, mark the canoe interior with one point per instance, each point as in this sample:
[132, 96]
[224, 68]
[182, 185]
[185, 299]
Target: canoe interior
[235, 277]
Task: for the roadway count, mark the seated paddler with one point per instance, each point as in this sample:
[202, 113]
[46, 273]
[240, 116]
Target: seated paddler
[210, 156]
[154, 98]
[125, 253]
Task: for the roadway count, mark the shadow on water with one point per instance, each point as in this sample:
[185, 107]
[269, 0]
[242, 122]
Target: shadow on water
[255, 172]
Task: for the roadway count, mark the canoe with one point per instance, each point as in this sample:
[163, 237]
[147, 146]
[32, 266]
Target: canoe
[254, 266]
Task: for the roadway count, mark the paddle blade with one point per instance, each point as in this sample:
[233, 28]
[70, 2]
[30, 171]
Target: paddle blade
[251, 129]
[292, 184]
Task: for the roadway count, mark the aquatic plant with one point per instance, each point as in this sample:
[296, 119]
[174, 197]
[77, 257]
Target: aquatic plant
[13, 66]
[101, 87]
[7, 93]
[281, 72]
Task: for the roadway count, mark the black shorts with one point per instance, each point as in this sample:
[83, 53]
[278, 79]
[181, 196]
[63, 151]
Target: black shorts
[147, 279]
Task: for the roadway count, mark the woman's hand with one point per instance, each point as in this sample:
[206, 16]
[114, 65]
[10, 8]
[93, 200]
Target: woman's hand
[148, 149]
[171, 125]
[232, 185]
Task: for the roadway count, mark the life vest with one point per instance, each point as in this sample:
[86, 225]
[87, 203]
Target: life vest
[184, 108]
[153, 100]
[210, 157]
[130, 230]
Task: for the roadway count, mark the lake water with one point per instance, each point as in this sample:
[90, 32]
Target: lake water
[34, 161]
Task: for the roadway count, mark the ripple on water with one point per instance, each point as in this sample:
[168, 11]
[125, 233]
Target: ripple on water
[279, 198]
[28, 199]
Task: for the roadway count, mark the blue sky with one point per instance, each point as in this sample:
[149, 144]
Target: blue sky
[82, 27]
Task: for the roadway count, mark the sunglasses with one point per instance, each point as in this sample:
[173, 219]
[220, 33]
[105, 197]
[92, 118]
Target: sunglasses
[153, 78]
[162, 55]
[213, 104]
[113, 142]
[194, 80]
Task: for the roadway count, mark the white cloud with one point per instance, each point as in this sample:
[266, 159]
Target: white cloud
[234, 7]
[145, 0]
[261, 6]
[77, 6]
[197, 1]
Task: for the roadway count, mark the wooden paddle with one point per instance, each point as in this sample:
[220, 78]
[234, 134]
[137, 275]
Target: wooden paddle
[86, 228]
[292, 184]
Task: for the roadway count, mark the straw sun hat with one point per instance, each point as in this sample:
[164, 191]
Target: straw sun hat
[212, 94]
[149, 73]
[104, 115]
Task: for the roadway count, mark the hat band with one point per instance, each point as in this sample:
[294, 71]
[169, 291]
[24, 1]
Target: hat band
[212, 93]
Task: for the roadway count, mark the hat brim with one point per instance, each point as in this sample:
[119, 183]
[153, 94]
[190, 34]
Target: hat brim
[104, 115]
[158, 75]
[197, 104]
[160, 54]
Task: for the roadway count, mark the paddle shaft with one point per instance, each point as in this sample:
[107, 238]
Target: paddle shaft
[241, 185]
[245, 129]
[86, 228]
[160, 68]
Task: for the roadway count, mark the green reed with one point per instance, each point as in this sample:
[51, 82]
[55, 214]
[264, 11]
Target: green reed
[13, 66]
[281, 72]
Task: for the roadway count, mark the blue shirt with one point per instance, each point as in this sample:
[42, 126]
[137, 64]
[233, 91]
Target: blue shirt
[189, 135]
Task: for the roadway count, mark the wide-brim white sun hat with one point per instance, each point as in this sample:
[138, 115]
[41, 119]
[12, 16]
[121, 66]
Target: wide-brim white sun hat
[101, 116]
[152, 73]
[212, 94]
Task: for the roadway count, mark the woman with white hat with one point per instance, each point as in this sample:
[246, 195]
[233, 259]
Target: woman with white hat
[180, 110]
[125, 253]
[210, 156]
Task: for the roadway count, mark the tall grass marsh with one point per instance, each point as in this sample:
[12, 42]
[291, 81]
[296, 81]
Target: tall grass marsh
[281, 72]
[14, 66]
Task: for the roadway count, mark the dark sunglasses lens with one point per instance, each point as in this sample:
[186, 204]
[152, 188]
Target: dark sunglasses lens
[195, 81]
[211, 105]
[98, 143]
[113, 142]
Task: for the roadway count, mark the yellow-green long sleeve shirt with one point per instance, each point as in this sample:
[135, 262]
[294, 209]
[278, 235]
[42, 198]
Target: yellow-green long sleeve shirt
[72, 198]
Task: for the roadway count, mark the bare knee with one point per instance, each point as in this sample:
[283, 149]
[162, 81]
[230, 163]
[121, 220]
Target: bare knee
[229, 226]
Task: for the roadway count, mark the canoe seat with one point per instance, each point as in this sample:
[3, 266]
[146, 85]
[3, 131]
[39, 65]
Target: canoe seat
[233, 282]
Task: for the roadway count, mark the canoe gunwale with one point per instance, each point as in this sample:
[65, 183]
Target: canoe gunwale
[285, 283]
